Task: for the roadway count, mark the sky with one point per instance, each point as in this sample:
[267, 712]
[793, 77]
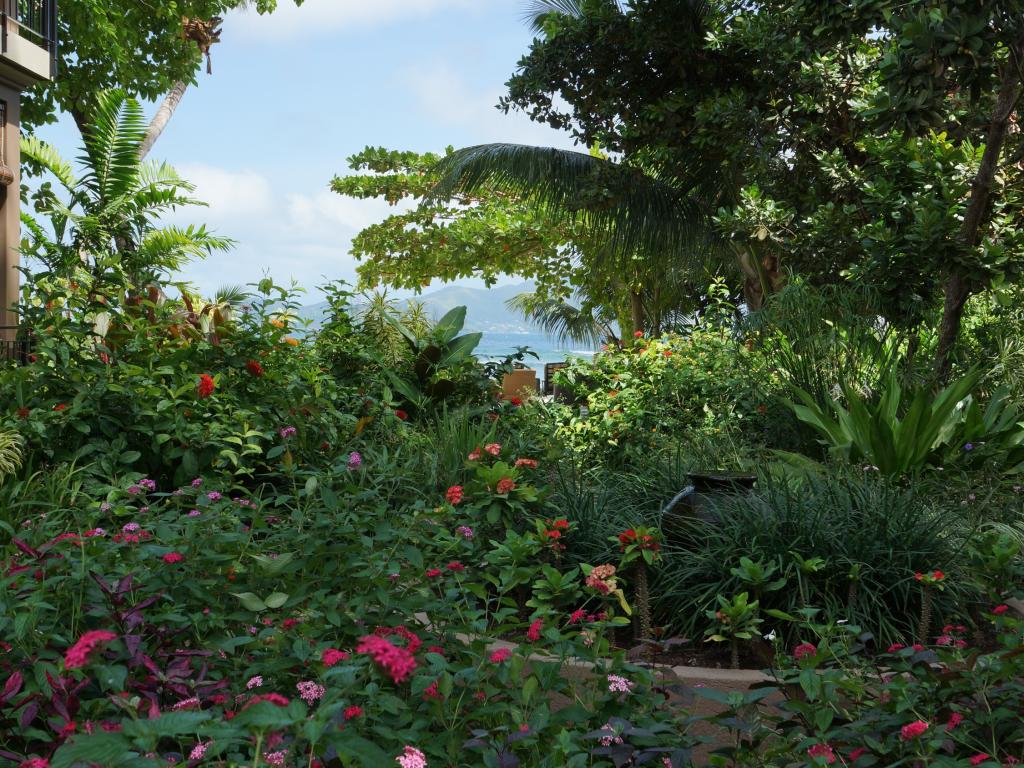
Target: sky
[293, 94]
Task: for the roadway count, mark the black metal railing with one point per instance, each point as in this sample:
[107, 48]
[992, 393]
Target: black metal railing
[15, 345]
[37, 21]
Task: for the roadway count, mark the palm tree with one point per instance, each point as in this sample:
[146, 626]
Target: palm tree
[564, 321]
[104, 225]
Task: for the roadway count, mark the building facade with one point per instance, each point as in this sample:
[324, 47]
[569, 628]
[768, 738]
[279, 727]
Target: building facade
[28, 55]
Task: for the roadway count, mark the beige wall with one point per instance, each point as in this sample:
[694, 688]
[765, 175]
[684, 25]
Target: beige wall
[9, 221]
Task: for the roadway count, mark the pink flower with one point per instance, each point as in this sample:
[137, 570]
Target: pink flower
[619, 684]
[454, 495]
[173, 557]
[528, 463]
[954, 720]
[493, 448]
[455, 567]
[78, 655]
[500, 655]
[352, 712]
[199, 751]
[999, 610]
[254, 682]
[432, 692]
[332, 656]
[190, 703]
[433, 573]
[411, 758]
[577, 616]
[896, 647]
[913, 730]
[276, 759]
[465, 531]
[505, 486]
[824, 751]
[533, 633]
[273, 698]
[35, 762]
[310, 692]
[398, 662]
[856, 754]
[979, 758]
[474, 455]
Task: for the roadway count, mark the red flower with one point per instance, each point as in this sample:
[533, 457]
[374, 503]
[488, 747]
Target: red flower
[856, 754]
[954, 720]
[627, 537]
[23, 413]
[804, 650]
[913, 730]
[979, 758]
[999, 610]
[352, 712]
[455, 567]
[254, 368]
[289, 623]
[431, 692]
[533, 633]
[332, 656]
[500, 655]
[454, 495]
[505, 486]
[433, 573]
[528, 463]
[173, 557]
[402, 415]
[516, 401]
[667, 353]
[206, 386]
[78, 655]
[398, 662]
[560, 524]
[823, 751]
[638, 334]
[60, 406]
[274, 698]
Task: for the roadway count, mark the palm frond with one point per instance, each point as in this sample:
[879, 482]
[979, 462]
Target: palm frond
[234, 295]
[560, 320]
[116, 131]
[49, 158]
[172, 246]
[633, 211]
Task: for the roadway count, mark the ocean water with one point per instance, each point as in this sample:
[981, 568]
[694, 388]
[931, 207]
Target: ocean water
[495, 346]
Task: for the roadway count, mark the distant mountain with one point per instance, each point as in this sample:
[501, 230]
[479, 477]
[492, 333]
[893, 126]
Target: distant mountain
[485, 307]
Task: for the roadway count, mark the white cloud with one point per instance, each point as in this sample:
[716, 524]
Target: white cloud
[443, 93]
[331, 212]
[318, 17]
[230, 194]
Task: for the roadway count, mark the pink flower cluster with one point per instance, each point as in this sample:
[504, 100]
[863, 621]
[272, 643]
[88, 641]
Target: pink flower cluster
[399, 663]
[78, 655]
[332, 656]
[310, 692]
[619, 684]
[411, 758]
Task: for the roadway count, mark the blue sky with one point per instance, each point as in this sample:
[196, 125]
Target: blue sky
[295, 93]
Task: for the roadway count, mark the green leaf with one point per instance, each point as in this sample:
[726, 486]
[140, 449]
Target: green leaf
[108, 749]
[250, 601]
[276, 600]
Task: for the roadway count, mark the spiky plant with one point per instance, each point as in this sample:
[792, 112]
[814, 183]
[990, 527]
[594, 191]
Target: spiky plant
[11, 444]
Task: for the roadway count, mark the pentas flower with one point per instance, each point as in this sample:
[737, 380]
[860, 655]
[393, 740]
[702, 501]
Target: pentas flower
[500, 655]
[954, 720]
[533, 633]
[857, 754]
[804, 650]
[431, 692]
[465, 531]
[619, 684]
[505, 486]
[173, 557]
[78, 655]
[896, 647]
[913, 730]
[411, 758]
[35, 762]
[134, 490]
[274, 698]
[979, 758]
[254, 682]
[351, 713]
[286, 432]
[199, 751]
[94, 533]
[276, 759]
[197, 482]
[433, 573]
[149, 485]
[355, 460]
[454, 495]
[823, 752]
[206, 386]
[310, 692]
[399, 663]
[455, 567]
[332, 656]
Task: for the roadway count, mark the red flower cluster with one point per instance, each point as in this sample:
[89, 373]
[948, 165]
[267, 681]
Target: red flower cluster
[533, 633]
[913, 730]
[824, 751]
[500, 655]
[60, 406]
[528, 463]
[432, 692]
[553, 531]
[254, 368]
[804, 650]
[934, 576]
[454, 495]
[132, 538]
[402, 415]
[646, 541]
[332, 656]
[399, 663]
[78, 655]
[352, 712]
[206, 386]
[455, 567]
[274, 698]
[412, 642]
[505, 486]
[173, 557]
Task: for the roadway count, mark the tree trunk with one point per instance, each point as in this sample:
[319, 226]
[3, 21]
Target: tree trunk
[958, 287]
[636, 311]
[162, 117]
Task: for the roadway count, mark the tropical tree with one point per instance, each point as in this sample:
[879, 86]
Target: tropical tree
[103, 229]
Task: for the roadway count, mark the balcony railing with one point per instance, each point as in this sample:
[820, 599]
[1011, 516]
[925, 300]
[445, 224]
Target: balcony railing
[15, 345]
[37, 22]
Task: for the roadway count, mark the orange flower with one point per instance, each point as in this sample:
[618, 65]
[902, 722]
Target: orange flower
[291, 341]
